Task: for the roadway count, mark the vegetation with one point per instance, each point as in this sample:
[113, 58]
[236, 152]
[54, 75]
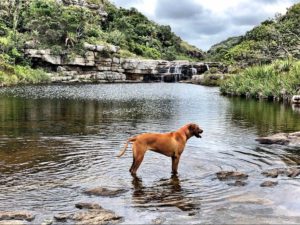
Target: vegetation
[278, 38]
[65, 28]
[279, 80]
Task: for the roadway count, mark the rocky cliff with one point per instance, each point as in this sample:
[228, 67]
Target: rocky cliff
[102, 64]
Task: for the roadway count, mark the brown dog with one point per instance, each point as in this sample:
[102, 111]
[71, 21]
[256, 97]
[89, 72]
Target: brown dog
[169, 144]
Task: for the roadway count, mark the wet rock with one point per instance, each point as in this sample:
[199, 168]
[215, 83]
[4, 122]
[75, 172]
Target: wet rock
[96, 216]
[250, 198]
[292, 139]
[274, 173]
[83, 205]
[296, 99]
[47, 222]
[62, 217]
[269, 184]
[238, 183]
[104, 192]
[12, 222]
[231, 175]
[294, 172]
[159, 220]
[16, 215]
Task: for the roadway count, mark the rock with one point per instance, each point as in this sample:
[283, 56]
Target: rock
[269, 184]
[105, 192]
[62, 217]
[238, 183]
[292, 139]
[83, 205]
[16, 215]
[274, 173]
[12, 222]
[47, 222]
[293, 172]
[159, 220]
[231, 175]
[96, 216]
[281, 139]
[296, 99]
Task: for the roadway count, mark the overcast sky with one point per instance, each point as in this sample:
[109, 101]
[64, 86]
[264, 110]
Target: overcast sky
[207, 22]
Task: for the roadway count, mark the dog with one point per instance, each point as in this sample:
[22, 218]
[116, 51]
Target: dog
[170, 144]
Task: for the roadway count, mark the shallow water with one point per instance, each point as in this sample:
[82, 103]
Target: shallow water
[57, 141]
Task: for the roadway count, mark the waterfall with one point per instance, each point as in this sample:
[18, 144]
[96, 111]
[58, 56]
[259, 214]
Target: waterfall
[207, 67]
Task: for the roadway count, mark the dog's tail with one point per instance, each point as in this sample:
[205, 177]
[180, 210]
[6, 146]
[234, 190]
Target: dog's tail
[125, 147]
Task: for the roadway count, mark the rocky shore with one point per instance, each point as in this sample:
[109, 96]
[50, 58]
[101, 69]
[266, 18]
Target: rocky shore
[102, 64]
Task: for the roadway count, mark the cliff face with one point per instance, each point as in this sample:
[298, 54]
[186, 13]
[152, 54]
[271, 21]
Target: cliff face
[101, 64]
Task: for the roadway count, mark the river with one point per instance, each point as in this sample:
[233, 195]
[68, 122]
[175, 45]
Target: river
[57, 141]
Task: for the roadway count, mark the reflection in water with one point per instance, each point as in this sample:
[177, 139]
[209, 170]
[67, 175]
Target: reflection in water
[267, 117]
[165, 193]
[57, 141]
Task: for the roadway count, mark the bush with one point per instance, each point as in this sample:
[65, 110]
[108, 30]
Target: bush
[279, 80]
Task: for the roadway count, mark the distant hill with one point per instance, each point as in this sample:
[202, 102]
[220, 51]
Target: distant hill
[277, 38]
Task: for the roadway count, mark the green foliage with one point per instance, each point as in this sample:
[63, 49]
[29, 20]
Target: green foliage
[10, 75]
[279, 80]
[273, 39]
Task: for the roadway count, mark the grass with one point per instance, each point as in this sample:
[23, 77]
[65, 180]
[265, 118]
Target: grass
[12, 75]
[279, 80]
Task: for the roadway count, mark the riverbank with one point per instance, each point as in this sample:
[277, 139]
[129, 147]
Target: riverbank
[278, 81]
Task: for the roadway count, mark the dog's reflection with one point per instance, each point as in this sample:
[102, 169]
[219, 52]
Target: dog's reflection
[165, 193]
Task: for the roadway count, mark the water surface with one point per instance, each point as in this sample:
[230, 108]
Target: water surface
[57, 141]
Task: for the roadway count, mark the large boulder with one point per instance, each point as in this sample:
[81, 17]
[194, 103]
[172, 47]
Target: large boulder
[292, 139]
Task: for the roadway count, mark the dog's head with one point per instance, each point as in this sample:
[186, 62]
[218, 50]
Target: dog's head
[195, 130]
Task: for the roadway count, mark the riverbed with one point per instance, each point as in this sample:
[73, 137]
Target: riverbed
[57, 141]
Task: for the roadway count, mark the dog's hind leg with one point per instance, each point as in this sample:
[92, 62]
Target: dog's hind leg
[138, 156]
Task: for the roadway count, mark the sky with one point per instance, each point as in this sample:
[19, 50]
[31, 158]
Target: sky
[206, 22]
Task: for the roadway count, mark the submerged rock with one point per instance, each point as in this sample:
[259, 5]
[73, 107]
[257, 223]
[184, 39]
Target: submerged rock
[83, 205]
[274, 173]
[16, 215]
[269, 183]
[281, 139]
[96, 216]
[12, 222]
[62, 217]
[238, 183]
[231, 175]
[159, 220]
[104, 192]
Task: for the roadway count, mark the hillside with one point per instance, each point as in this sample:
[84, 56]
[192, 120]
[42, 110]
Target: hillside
[277, 38]
[67, 24]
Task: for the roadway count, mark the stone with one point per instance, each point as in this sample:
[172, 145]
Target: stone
[104, 192]
[281, 139]
[238, 183]
[62, 217]
[12, 222]
[269, 184]
[159, 220]
[293, 172]
[16, 215]
[231, 175]
[83, 205]
[296, 99]
[47, 222]
[96, 216]
[291, 139]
